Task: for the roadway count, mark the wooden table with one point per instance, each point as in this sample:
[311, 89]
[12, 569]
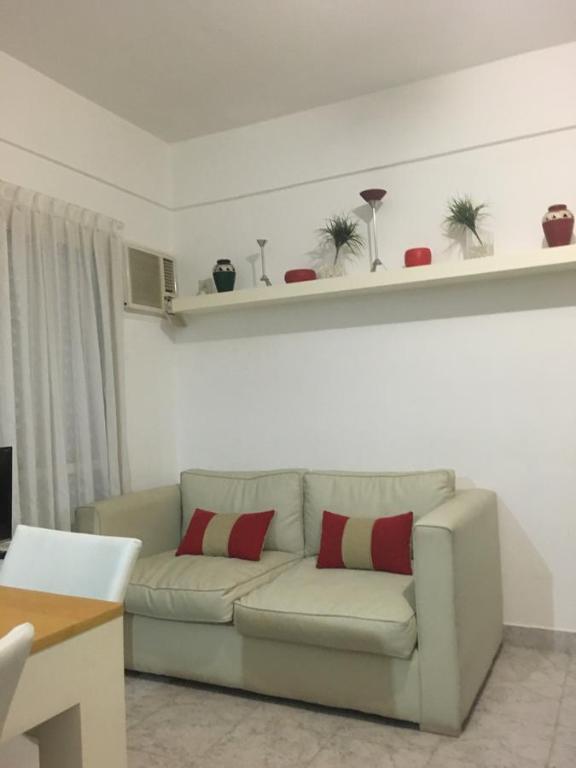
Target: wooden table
[71, 693]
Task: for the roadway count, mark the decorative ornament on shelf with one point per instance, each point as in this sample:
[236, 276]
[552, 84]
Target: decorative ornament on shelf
[264, 279]
[558, 225]
[340, 232]
[206, 286]
[373, 197]
[299, 275]
[224, 275]
[464, 224]
[417, 257]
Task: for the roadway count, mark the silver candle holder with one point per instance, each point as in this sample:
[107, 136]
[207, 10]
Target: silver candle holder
[373, 197]
[264, 279]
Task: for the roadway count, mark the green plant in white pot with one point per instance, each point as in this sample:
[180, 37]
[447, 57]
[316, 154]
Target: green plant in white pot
[464, 223]
[340, 233]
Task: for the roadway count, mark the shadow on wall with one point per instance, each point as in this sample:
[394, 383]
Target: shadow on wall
[527, 582]
[480, 298]
[527, 579]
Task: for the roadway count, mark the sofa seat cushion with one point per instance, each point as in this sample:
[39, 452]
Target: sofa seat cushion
[366, 611]
[198, 588]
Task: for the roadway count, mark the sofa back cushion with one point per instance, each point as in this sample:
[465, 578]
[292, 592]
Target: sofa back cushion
[242, 492]
[362, 494]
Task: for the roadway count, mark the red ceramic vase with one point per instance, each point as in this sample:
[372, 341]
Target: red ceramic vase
[558, 225]
[417, 257]
[299, 275]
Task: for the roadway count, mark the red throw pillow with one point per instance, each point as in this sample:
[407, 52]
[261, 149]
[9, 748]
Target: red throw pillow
[380, 544]
[226, 535]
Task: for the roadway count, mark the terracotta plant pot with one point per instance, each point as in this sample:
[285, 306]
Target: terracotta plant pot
[558, 225]
[299, 275]
[417, 257]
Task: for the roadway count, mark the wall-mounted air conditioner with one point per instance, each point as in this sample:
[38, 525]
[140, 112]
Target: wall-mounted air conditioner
[150, 280]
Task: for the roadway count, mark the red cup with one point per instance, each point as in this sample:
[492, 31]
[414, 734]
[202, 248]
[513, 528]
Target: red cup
[417, 257]
[299, 275]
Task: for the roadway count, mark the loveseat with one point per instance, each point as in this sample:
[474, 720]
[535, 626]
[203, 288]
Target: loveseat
[416, 648]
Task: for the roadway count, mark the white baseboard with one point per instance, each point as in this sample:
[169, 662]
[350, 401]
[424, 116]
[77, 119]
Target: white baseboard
[542, 639]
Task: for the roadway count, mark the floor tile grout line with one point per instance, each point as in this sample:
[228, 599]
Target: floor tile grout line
[324, 743]
[315, 755]
[149, 714]
[144, 717]
[146, 752]
[431, 752]
[555, 728]
[227, 736]
[198, 757]
[172, 703]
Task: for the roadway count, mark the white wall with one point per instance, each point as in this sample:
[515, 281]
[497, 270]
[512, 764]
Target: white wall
[499, 101]
[53, 141]
[480, 379]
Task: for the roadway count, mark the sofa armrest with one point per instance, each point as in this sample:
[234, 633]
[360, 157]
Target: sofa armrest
[154, 516]
[458, 605]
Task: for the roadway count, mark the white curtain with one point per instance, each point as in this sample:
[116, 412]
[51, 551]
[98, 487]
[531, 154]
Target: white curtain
[61, 358]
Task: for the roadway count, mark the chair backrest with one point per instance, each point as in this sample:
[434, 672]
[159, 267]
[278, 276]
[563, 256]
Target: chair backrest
[79, 564]
[14, 650]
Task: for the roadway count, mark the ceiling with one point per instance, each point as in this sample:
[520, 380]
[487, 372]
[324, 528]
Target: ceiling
[184, 68]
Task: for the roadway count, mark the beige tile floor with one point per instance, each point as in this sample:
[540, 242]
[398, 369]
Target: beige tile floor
[525, 718]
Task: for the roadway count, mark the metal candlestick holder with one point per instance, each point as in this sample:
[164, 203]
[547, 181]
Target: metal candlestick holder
[373, 197]
[264, 279]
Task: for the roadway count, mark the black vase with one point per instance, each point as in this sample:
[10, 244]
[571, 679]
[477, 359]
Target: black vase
[224, 275]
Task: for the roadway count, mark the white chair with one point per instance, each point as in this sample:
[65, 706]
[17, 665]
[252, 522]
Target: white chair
[78, 564]
[14, 650]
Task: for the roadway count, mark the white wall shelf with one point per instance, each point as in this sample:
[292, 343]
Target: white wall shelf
[490, 268]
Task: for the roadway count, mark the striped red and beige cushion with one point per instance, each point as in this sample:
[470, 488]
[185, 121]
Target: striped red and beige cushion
[380, 544]
[226, 535]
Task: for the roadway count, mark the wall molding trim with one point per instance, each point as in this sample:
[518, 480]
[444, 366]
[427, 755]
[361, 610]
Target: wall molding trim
[540, 638]
[86, 174]
[286, 187]
[371, 169]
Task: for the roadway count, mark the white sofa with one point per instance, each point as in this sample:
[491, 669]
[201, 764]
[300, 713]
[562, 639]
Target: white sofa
[415, 648]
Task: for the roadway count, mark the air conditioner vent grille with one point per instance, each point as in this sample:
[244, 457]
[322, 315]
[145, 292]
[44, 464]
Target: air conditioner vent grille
[169, 277]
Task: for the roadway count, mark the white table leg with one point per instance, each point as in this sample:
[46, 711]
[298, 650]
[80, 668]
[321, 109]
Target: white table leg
[71, 698]
[60, 740]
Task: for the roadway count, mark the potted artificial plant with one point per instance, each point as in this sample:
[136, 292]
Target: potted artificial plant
[341, 234]
[464, 224]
